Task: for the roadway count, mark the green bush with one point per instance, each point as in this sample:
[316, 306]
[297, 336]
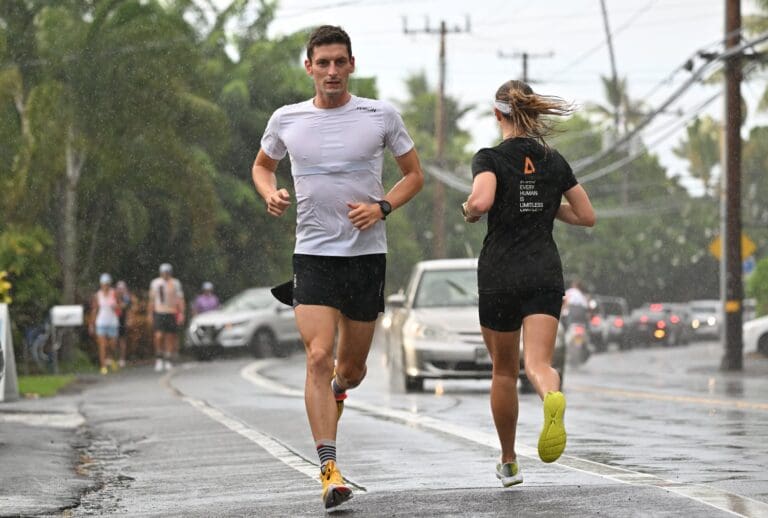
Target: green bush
[757, 286]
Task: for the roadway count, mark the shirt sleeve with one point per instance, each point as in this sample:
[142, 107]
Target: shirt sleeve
[483, 161]
[179, 289]
[396, 137]
[271, 143]
[569, 179]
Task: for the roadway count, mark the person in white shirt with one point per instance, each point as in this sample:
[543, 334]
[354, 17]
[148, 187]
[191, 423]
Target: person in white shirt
[336, 143]
[575, 304]
[165, 313]
[105, 321]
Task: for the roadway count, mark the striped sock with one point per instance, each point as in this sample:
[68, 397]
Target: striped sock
[326, 450]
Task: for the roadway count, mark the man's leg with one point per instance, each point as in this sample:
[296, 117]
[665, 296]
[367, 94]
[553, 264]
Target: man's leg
[355, 339]
[159, 343]
[317, 326]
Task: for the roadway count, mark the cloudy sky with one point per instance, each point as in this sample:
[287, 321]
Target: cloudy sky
[652, 39]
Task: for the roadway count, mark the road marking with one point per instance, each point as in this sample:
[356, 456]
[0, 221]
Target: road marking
[726, 501]
[67, 420]
[277, 449]
[740, 404]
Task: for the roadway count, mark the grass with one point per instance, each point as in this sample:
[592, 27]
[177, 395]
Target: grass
[45, 385]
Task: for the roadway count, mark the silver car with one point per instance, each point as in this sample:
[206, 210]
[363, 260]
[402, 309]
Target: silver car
[705, 318]
[252, 319]
[432, 330]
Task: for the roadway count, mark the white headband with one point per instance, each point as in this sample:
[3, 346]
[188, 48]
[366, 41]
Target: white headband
[502, 107]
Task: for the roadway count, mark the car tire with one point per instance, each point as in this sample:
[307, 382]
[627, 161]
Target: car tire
[414, 384]
[263, 343]
[204, 353]
[762, 345]
[526, 387]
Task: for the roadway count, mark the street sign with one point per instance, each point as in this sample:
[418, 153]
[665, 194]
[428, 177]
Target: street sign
[749, 264]
[748, 247]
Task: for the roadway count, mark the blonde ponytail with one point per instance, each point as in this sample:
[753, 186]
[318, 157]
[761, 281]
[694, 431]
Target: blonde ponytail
[525, 108]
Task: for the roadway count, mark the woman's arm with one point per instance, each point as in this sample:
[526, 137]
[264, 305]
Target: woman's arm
[482, 196]
[578, 210]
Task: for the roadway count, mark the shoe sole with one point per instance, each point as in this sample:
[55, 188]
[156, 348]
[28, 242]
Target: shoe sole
[509, 481]
[336, 496]
[553, 437]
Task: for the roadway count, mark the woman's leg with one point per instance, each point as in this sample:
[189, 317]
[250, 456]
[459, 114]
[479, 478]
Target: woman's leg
[101, 342]
[539, 335]
[504, 348]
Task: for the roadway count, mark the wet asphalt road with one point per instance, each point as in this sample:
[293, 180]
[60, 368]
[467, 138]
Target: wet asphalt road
[651, 433]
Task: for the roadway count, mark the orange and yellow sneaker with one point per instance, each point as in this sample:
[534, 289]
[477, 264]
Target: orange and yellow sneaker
[553, 437]
[335, 491]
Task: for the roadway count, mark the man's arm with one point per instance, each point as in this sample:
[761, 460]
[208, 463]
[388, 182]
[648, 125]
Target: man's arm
[365, 215]
[265, 180]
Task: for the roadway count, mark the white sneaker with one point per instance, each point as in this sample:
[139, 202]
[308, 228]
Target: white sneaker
[121, 363]
[158, 365]
[168, 365]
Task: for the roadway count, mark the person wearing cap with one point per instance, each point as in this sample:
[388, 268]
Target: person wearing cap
[206, 300]
[520, 184]
[165, 313]
[124, 303]
[104, 308]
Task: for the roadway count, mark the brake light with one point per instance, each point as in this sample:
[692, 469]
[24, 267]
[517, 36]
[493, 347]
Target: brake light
[661, 324]
[618, 322]
[674, 319]
[656, 307]
[595, 320]
[644, 319]
[579, 330]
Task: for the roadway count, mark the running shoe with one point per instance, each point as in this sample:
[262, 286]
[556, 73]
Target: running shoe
[335, 491]
[159, 365]
[104, 371]
[167, 365]
[509, 474]
[113, 365]
[121, 363]
[552, 438]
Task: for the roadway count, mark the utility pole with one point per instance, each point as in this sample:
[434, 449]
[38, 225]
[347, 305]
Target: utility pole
[525, 56]
[619, 100]
[731, 287]
[439, 249]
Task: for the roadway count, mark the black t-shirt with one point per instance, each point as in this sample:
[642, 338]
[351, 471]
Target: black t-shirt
[519, 251]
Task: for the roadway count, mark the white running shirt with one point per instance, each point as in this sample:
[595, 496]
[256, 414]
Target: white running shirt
[336, 158]
[165, 294]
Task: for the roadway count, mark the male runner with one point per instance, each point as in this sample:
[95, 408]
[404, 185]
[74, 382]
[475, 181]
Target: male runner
[336, 145]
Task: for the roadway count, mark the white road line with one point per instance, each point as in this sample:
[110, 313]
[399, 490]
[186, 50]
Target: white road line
[726, 501]
[269, 444]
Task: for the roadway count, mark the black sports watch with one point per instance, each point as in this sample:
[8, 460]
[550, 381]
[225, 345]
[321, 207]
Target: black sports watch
[386, 208]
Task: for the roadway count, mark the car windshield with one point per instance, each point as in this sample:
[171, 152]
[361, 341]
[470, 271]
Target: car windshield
[249, 300]
[447, 288]
[704, 309]
[610, 308]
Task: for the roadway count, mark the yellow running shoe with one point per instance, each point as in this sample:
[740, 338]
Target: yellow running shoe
[103, 371]
[335, 491]
[552, 438]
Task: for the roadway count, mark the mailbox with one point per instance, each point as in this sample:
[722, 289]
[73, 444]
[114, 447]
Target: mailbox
[67, 316]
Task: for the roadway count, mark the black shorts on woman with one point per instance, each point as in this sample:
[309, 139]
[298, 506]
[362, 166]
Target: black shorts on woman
[519, 270]
[353, 285]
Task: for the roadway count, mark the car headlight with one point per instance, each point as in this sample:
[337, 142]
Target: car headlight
[711, 321]
[414, 329]
[695, 324]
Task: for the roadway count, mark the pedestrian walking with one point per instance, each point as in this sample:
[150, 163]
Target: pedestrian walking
[520, 184]
[165, 313]
[575, 304]
[104, 308]
[336, 144]
[206, 300]
[124, 305]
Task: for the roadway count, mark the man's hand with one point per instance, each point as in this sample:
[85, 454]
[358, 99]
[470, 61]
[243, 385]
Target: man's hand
[364, 215]
[278, 201]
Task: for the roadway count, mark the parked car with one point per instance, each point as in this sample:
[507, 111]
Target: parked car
[607, 321]
[253, 319]
[706, 318]
[756, 335]
[432, 330]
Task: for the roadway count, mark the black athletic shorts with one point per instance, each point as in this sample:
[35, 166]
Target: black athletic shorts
[353, 285]
[506, 311]
[165, 322]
